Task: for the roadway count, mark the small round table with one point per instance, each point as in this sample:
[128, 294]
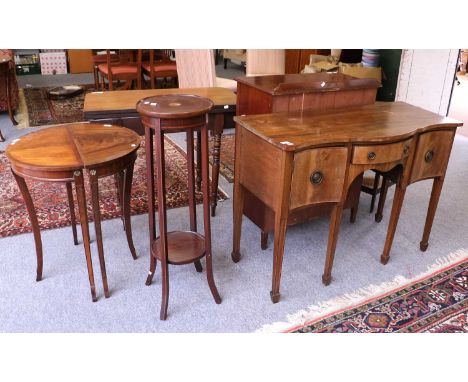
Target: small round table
[62, 154]
[170, 114]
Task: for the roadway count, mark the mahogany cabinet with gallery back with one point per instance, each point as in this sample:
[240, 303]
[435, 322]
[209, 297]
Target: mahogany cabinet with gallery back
[294, 161]
[300, 92]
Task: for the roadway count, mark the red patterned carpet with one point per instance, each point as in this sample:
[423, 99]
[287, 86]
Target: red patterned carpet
[50, 199]
[437, 303]
[43, 111]
[433, 302]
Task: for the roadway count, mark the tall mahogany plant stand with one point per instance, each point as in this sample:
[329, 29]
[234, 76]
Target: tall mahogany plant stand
[170, 114]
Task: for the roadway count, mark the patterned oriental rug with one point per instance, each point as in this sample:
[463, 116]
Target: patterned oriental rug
[41, 110]
[50, 199]
[434, 303]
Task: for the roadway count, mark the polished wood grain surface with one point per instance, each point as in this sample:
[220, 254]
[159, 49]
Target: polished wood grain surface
[73, 146]
[173, 106]
[169, 113]
[382, 122]
[432, 155]
[307, 83]
[63, 154]
[291, 166]
[127, 99]
[318, 176]
[372, 154]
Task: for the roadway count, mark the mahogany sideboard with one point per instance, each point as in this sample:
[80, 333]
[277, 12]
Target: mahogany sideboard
[300, 92]
[290, 161]
[119, 108]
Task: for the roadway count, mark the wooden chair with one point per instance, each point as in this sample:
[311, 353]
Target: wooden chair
[380, 184]
[159, 67]
[99, 59]
[127, 69]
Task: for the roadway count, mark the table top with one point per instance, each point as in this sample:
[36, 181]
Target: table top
[377, 123]
[284, 84]
[174, 106]
[71, 147]
[126, 100]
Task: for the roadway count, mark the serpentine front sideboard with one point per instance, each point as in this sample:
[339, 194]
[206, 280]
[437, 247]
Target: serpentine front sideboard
[292, 161]
[300, 92]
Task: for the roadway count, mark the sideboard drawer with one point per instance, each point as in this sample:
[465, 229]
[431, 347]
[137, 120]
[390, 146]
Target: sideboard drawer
[384, 153]
[432, 154]
[318, 176]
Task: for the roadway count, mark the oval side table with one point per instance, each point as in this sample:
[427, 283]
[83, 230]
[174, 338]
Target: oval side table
[170, 114]
[62, 154]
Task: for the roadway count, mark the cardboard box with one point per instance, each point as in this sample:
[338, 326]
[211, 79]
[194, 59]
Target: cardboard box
[53, 63]
[362, 72]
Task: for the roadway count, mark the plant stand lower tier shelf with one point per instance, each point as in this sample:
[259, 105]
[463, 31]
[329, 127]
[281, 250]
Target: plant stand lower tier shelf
[183, 247]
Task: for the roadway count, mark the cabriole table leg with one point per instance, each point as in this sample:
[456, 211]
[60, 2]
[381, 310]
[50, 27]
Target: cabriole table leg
[127, 193]
[97, 226]
[71, 205]
[80, 194]
[34, 223]
[206, 214]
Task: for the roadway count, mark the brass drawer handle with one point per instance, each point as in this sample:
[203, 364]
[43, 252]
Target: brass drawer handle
[371, 155]
[316, 178]
[405, 150]
[429, 155]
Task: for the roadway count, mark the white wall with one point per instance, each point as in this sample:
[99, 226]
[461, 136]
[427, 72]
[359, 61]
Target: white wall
[426, 78]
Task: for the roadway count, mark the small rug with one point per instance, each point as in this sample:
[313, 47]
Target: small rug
[41, 110]
[50, 199]
[436, 302]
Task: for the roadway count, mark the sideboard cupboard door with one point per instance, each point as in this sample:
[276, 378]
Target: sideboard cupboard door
[432, 155]
[318, 176]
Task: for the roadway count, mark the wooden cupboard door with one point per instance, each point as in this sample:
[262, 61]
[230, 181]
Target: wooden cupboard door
[80, 60]
[318, 176]
[432, 155]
